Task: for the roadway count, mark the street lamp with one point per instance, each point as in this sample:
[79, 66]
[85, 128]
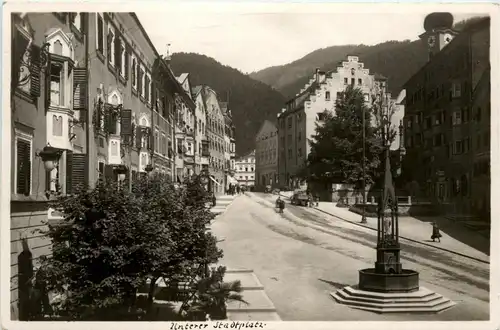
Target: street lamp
[149, 170]
[121, 171]
[363, 216]
[50, 157]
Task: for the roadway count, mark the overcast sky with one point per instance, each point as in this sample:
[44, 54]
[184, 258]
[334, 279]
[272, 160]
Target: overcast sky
[253, 41]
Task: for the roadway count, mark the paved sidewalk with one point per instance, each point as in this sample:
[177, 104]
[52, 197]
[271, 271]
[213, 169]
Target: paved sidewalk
[455, 238]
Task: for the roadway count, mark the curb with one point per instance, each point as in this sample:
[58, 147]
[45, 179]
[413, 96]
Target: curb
[408, 239]
[402, 237]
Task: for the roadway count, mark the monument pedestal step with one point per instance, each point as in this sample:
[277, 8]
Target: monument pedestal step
[421, 301]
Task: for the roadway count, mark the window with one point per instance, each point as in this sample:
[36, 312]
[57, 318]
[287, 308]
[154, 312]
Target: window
[290, 122]
[56, 84]
[346, 81]
[57, 125]
[142, 77]
[321, 116]
[457, 118]
[100, 34]
[100, 169]
[299, 136]
[360, 81]
[23, 159]
[134, 72]
[353, 80]
[114, 148]
[456, 90]
[299, 152]
[123, 61]
[327, 96]
[289, 153]
[157, 142]
[148, 88]
[111, 45]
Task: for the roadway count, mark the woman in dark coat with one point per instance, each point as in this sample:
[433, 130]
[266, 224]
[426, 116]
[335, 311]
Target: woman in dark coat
[435, 233]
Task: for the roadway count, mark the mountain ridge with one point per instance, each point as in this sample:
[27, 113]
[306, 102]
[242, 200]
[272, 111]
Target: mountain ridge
[250, 101]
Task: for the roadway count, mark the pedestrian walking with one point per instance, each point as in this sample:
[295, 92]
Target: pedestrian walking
[435, 233]
[238, 189]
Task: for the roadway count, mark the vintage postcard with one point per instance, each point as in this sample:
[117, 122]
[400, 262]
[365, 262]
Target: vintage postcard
[218, 165]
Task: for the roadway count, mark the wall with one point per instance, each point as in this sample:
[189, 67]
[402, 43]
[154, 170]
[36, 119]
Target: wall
[216, 134]
[245, 170]
[266, 156]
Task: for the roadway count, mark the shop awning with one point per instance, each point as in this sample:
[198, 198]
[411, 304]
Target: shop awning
[232, 180]
[215, 181]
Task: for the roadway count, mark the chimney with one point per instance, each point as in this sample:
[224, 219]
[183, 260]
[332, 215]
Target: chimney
[316, 76]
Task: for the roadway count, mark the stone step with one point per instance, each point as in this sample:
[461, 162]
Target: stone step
[432, 310]
[412, 302]
[355, 291]
[438, 299]
[253, 316]
[257, 301]
[347, 296]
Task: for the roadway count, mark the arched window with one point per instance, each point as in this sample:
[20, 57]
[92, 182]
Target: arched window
[57, 123]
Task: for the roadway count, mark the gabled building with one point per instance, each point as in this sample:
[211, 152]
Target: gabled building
[186, 131]
[229, 145]
[296, 122]
[215, 134]
[202, 151]
[447, 118]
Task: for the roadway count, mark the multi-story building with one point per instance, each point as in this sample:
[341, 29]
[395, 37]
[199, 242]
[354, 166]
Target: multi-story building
[201, 139]
[131, 109]
[266, 155]
[447, 117]
[215, 134]
[91, 97]
[185, 132]
[229, 145]
[48, 104]
[245, 170]
[296, 122]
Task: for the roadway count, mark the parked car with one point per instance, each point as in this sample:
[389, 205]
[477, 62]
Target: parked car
[268, 189]
[299, 197]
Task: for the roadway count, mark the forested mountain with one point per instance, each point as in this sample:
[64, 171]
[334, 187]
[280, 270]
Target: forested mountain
[397, 60]
[250, 101]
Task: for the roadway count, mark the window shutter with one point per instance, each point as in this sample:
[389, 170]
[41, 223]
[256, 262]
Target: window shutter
[35, 70]
[47, 82]
[138, 137]
[118, 53]
[80, 84]
[153, 96]
[78, 171]
[150, 139]
[108, 172]
[127, 59]
[69, 171]
[24, 167]
[134, 71]
[139, 79]
[110, 44]
[126, 125]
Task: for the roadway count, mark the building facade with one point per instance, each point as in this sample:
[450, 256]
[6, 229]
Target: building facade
[185, 131]
[266, 156]
[201, 138]
[229, 145]
[216, 139]
[48, 65]
[447, 118]
[93, 88]
[296, 122]
[245, 170]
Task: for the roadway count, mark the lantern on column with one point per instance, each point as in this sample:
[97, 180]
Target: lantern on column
[50, 157]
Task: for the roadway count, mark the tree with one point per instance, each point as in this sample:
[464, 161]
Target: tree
[111, 242]
[337, 147]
